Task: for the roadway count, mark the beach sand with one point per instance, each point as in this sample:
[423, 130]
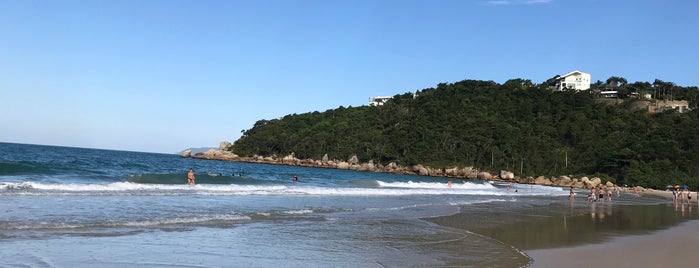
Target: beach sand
[674, 247]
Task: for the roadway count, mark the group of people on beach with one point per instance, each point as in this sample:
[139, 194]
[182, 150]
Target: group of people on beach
[598, 194]
[680, 196]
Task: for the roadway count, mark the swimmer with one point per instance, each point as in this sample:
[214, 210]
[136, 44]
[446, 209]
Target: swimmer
[190, 177]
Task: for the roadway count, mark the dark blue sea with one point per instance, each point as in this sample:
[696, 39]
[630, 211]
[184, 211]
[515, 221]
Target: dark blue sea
[76, 207]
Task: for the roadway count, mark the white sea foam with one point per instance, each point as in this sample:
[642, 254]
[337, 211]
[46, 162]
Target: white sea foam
[298, 212]
[384, 189]
[132, 223]
[438, 185]
[473, 202]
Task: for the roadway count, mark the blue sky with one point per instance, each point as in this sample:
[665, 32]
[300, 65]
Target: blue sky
[161, 76]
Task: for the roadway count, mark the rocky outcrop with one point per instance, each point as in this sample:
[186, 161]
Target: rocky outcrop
[213, 154]
[186, 153]
[225, 146]
[353, 164]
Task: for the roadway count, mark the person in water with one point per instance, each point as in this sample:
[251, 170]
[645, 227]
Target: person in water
[190, 177]
[295, 179]
[571, 196]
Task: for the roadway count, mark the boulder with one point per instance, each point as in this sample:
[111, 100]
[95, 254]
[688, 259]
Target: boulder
[610, 184]
[585, 181]
[541, 180]
[452, 172]
[506, 175]
[186, 153]
[423, 171]
[324, 159]
[225, 146]
[392, 166]
[465, 171]
[484, 175]
[597, 181]
[290, 159]
[343, 165]
[368, 166]
[416, 168]
[353, 160]
[531, 179]
[564, 181]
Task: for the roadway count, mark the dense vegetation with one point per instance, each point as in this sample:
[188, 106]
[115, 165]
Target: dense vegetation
[517, 126]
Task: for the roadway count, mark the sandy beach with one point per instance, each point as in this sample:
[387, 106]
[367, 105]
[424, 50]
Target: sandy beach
[674, 247]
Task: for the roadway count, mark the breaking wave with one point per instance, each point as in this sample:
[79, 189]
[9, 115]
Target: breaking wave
[384, 189]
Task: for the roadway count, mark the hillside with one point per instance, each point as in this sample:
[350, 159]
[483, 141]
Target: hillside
[516, 126]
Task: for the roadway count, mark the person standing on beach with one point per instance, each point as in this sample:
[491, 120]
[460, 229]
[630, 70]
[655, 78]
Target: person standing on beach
[592, 197]
[190, 177]
[689, 196]
[571, 196]
[674, 195]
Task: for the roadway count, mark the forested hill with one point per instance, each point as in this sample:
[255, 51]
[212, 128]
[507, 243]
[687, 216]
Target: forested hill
[517, 126]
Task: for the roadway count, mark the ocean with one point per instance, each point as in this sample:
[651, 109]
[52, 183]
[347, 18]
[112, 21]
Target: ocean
[76, 207]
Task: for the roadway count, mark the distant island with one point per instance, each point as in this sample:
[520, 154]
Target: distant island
[622, 133]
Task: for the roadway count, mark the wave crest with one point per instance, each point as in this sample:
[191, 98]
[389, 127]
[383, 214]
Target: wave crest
[384, 189]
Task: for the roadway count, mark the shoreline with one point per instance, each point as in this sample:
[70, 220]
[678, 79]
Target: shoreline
[560, 233]
[669, 247]
[672, 247]
[463, 173]
[648, 245]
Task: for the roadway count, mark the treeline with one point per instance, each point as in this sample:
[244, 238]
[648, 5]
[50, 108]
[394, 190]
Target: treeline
[517, 126]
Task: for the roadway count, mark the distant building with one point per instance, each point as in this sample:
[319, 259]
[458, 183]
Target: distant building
[637, 95]
[575, 80]
[378, 100]
[609, 94]
[661, 106]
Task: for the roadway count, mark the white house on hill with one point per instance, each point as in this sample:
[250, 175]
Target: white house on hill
[378, 100]
[575, 80]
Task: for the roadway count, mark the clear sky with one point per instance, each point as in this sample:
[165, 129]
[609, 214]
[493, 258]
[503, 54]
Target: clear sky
[162, 76]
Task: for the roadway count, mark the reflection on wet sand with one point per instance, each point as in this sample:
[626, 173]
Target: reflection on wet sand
[567, 223]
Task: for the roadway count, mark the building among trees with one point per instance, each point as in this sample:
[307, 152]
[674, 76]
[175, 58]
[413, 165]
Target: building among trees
[575, 80]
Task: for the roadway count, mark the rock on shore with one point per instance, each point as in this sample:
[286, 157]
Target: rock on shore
[353, 163]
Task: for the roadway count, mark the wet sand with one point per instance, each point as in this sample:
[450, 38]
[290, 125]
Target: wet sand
[674, 247]
[633, 230]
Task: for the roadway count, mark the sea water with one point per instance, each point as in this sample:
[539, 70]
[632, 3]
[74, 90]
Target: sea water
[75, 207]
